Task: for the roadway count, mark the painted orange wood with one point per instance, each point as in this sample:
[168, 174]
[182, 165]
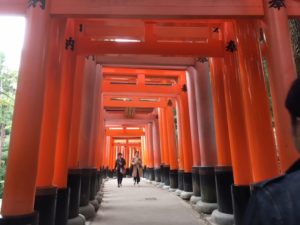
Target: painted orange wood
[51, 105]
[158, 8]
[282, 72]
[220, 112]
[156, 144]
[162, 117]
[205, 115]
[191, 73]
[256, 103]
[149, 140]
[86, 119]
[186, 133]
[171, 137]
[27, 119]
[213, 48]
[239, 147]
[64, 123]
[76, 110]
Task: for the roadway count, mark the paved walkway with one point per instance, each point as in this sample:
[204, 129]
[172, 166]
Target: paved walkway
[142, 205]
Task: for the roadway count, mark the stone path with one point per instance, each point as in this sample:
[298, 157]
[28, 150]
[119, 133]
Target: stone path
[142, 205]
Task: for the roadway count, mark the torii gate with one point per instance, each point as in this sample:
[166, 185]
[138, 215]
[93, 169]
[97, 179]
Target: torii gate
[55, 157]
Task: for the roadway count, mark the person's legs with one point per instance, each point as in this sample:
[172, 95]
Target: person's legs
[138, 177]
[119, 178]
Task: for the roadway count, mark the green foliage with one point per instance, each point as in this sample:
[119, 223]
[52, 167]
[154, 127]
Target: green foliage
[294, 24]
[8, 85]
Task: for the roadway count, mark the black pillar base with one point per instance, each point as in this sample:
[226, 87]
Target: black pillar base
[98, 181]
[93, 189]
[224, 180]
[106, 172]
[45, 205]
[167, 175]
[30, 219]
[151, 174]
[110, 173]
[145, 172]
[240, 198]
[157, 175]
[74, 183]
[208, 184]
[62, 206]
[173, 179]
[196, 181]
[187, 182]
[162, 173]
[86, 175]
[180, 179]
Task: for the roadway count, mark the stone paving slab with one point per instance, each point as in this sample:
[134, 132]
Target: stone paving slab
[143, 205]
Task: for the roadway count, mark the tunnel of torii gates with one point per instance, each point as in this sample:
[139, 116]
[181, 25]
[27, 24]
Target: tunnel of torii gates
[182, 82]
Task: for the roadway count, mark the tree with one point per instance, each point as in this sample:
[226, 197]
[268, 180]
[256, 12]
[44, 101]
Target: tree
[8, 84]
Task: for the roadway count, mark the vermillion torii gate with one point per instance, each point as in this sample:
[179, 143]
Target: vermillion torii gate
[58, 139]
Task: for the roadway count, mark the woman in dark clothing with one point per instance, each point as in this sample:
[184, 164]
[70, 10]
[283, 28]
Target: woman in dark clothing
[120, 167]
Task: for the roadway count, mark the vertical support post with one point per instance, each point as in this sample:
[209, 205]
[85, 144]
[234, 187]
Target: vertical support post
[166, 166]
[258, 118]
[206, 138]
[180, 150]
[186, 144]
[223, 170]
[156, 151]
[173, 175]
[149, 140]
[282, 71]
[46, 193]
[190, 81]
[237, 128]
[27, 120]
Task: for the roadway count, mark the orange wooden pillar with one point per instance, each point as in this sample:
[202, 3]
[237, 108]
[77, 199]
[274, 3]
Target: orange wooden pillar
[126, 156]
[46, 193]
[237, 129]
[161, 145]
[171, 138]
[101, 141]
[220, 116]
[149, 139]
[206, 135]
[282, 72]
[86, 119]
[165, 145]
[255, 99]
[96, 125]
[27, 120]
[186, 142]
[223, 169]
[180, 149]
[76, 111]
[74, 172]
[156, 151]
[105, 154]
[63, 132]
[205, 110]
[85, 150]
[95, 136]
[144, 152]
[190, 82]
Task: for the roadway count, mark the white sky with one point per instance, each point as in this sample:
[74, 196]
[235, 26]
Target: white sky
[12, 31]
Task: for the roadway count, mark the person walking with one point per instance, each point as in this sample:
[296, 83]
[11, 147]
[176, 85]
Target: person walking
[120, 168]
[137, 169]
